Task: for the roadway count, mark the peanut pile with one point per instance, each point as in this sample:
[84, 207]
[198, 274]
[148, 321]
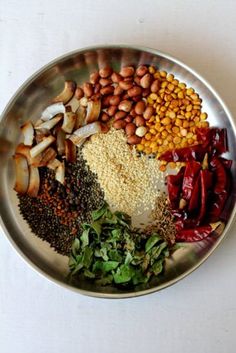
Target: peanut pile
[156, 111]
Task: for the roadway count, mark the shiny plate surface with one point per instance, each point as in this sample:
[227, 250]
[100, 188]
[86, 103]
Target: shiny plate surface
[29, 101]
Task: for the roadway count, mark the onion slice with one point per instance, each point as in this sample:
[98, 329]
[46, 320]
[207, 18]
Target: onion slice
[49, 124]
[52, 110]
[22, 174]
[41, 146]
[28, 132]
[70, 151]
[67, 93]
[34, 181]
[93, 111]
[60, 173]
[69, 122]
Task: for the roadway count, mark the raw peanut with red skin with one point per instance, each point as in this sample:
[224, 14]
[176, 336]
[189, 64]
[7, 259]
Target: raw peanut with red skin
[129, 119]
[105, 72]
[125, 96]
[148, 112]
[127, 71]
[137, 80]
[135, 91]
[114, 100]
[133, 113]
[128, 79]
[96, 97]
[107, 90]
[105, 117]
[116, 77]
[134, 140]
[97, 88]
[146, 92]
[79, 93]
[119, 124]
[140, 107]
[155, 86]
[137, 98]
[146, 81]
[104, 127]
[139, 121]
[130, 129]
[118, 91]
[106, 101]
[120, 115]
[88, 89]
[125, 85]
[94, 77]
[105, 82]
[112, 110]
[141, 70]
[125, 106]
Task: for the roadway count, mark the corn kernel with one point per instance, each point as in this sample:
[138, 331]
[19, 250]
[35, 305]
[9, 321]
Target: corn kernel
[189, 91]
[140, 147]
[175, 129]
[164, 133]
[152, 69]
[148, 136]
[170, 77]
[176, 140]
[171, 145]
[182, 85]
[203, 116]
[153, 96]
[152, 131]
[149, 100]
[190, 141]
[178, 122]
[185, 124]
[148, 150]
[172, 115]
[180, 95]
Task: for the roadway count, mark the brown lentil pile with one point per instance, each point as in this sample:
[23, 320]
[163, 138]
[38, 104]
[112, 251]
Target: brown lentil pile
[162, 220]
[58, 211]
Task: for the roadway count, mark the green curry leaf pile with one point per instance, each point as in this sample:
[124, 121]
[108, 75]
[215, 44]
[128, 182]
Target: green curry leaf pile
[110, 251]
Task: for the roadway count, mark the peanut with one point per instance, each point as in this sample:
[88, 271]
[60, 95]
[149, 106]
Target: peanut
[129, 119]
[116, 77]
[119, 124]
[155, 86]
[112, 110]
[148, 112]
[125, 85]
[130, 129]
[107, 90]
[97, 88]
[88, 89]
[114, 100]
[118, 90]
[125, 106]
[79, 93]
[146, 80]
[105, 117]
[105, 82]
[139, 121]
[134, 140]
[120, 115]
[140, 107]
[141, 70]
[135, 91]
[94, 77]
[127, 71]
[105, 72]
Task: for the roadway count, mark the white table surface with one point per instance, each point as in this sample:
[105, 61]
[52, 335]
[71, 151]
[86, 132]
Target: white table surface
[199, 313]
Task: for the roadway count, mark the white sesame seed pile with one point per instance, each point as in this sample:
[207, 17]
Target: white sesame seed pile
[130, 182]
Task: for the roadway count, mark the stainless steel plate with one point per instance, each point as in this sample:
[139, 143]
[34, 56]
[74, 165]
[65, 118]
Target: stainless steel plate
[34, 96]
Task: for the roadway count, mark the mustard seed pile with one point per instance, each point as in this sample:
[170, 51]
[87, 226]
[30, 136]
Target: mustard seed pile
[129, 181]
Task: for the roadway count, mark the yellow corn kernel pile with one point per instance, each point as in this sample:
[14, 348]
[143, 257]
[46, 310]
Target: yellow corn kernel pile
[177, 114]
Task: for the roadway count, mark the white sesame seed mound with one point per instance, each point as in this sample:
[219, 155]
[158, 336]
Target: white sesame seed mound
[130, 183]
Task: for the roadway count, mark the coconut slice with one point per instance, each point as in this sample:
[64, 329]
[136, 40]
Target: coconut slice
[93, 111]
[67, 93]
[60, 173]
[52, 110]
[70, 151]
[49, 124]
[80, 117]
[25, 151]
[69, 122]
[61, 142]
[40, 134]
[47, 156]
[40, 147]
[34, 181]
[28, 132]
[54, 164]
[79, 136]
[22, 174]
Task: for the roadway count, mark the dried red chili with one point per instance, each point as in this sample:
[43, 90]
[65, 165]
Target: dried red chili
[190, 176]
[195, 198]
[206, 183]
[174, 184]
[196, 234]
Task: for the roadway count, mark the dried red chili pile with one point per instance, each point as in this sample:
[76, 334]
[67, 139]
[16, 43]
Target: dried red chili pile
[59, 210]
[199, 192]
